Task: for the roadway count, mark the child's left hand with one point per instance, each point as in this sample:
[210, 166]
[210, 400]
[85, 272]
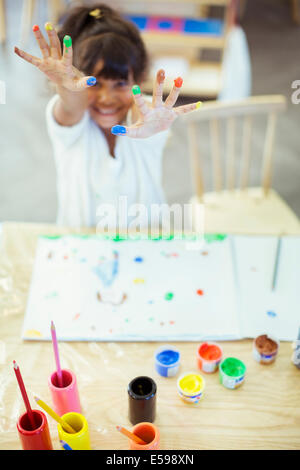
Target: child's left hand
[158, 116]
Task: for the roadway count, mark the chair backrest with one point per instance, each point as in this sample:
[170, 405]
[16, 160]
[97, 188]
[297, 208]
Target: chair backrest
[229, 114]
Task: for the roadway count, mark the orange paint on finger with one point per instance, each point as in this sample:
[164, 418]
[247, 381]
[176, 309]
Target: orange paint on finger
[178, 82]
[161, 76]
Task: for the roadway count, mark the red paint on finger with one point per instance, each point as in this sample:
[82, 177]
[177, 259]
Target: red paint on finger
[35, 28]
[161, 76]
[178, 82]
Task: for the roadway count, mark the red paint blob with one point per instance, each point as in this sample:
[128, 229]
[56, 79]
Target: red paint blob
[200, 292]
[210, 352]
[35, 28]
[178, 82]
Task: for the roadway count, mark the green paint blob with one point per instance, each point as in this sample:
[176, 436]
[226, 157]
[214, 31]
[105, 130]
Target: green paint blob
[67, 41]
[169, 296]
[214, 237]
[136, 90]
[233, 367]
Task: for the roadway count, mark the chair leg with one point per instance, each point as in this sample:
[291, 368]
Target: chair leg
[27, 17]
[2, 22]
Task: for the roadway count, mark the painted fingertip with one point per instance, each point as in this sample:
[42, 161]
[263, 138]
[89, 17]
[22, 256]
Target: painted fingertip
[178, 82]
[198, 104]
[118, 130]
[67, 41]
[161, 77]
[91, 81]
[48, 26]
[35, 28]
[136, 90]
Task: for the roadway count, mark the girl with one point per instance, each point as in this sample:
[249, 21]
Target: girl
[107, 138]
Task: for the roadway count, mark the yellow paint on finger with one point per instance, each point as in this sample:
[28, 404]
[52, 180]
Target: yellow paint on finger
[198, 104]
[48, 27]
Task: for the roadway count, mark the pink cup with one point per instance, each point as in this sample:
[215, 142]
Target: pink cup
[65, 399]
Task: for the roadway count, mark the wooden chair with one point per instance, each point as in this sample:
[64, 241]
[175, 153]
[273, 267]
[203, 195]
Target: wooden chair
[2, 22]
[233, 205]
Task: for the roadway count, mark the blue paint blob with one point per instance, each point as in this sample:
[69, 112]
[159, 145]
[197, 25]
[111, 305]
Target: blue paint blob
[168, 357]
[167, 361]
[271, 314]
[138, 259]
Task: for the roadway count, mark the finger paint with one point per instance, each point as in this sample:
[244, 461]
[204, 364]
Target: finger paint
[169, 296]
[91, 81]
[136, 90]
[48, 27]
[142, 399]
[198, 104]
[190, 387]
[167, 361]
[265, 349]
[178, 82]
[149, 434]
[232, 372]
[161, 76]
[68, 41]
[35, 28]
[209, 356]
[118, 130]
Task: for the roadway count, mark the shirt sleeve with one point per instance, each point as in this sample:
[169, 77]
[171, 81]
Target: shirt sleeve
[63, 136]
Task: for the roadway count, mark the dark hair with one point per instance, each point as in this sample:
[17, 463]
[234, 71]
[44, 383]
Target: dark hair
[105, 36]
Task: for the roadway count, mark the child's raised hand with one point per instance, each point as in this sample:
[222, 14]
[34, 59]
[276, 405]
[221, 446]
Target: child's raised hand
[158, 116]
[57, 64]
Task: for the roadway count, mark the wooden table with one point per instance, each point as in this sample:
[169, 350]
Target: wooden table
[263, 413]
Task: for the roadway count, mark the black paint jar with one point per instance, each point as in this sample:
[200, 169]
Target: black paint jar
[142, 400]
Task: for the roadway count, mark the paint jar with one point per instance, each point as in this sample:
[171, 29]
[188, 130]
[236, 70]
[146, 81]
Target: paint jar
[190, 387]
[142, 400]
[232, 372]
[167, 361]
[209, 356]
[66, 398]
[265, 349]
[37, 438]
[79, 440]
[149, 434]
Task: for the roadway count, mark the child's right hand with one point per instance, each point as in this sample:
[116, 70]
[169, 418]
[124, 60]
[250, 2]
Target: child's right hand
[55, 64]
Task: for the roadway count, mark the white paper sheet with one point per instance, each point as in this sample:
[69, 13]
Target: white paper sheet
[95, 289]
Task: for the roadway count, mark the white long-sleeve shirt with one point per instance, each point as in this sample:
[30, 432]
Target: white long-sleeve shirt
[89, 178]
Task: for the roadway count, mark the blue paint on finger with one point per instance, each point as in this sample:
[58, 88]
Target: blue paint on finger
[118, 130]
[91, 81]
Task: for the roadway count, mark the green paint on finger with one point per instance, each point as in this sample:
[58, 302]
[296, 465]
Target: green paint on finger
[67, 41]
[136, 90]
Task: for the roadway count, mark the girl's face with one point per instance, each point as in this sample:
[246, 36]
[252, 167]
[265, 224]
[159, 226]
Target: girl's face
[109, 100]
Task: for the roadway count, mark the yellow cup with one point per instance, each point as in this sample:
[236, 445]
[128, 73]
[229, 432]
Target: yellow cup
[79, 440]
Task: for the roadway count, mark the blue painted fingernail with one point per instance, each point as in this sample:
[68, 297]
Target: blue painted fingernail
[91, 81]
[118, 130]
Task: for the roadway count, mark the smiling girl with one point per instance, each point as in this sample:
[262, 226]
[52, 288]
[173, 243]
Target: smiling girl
[107, 138]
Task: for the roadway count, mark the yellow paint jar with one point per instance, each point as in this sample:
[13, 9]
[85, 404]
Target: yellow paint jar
[80, 440]
[190, 387]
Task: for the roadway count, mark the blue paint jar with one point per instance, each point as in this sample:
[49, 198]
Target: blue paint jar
[167, 361]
